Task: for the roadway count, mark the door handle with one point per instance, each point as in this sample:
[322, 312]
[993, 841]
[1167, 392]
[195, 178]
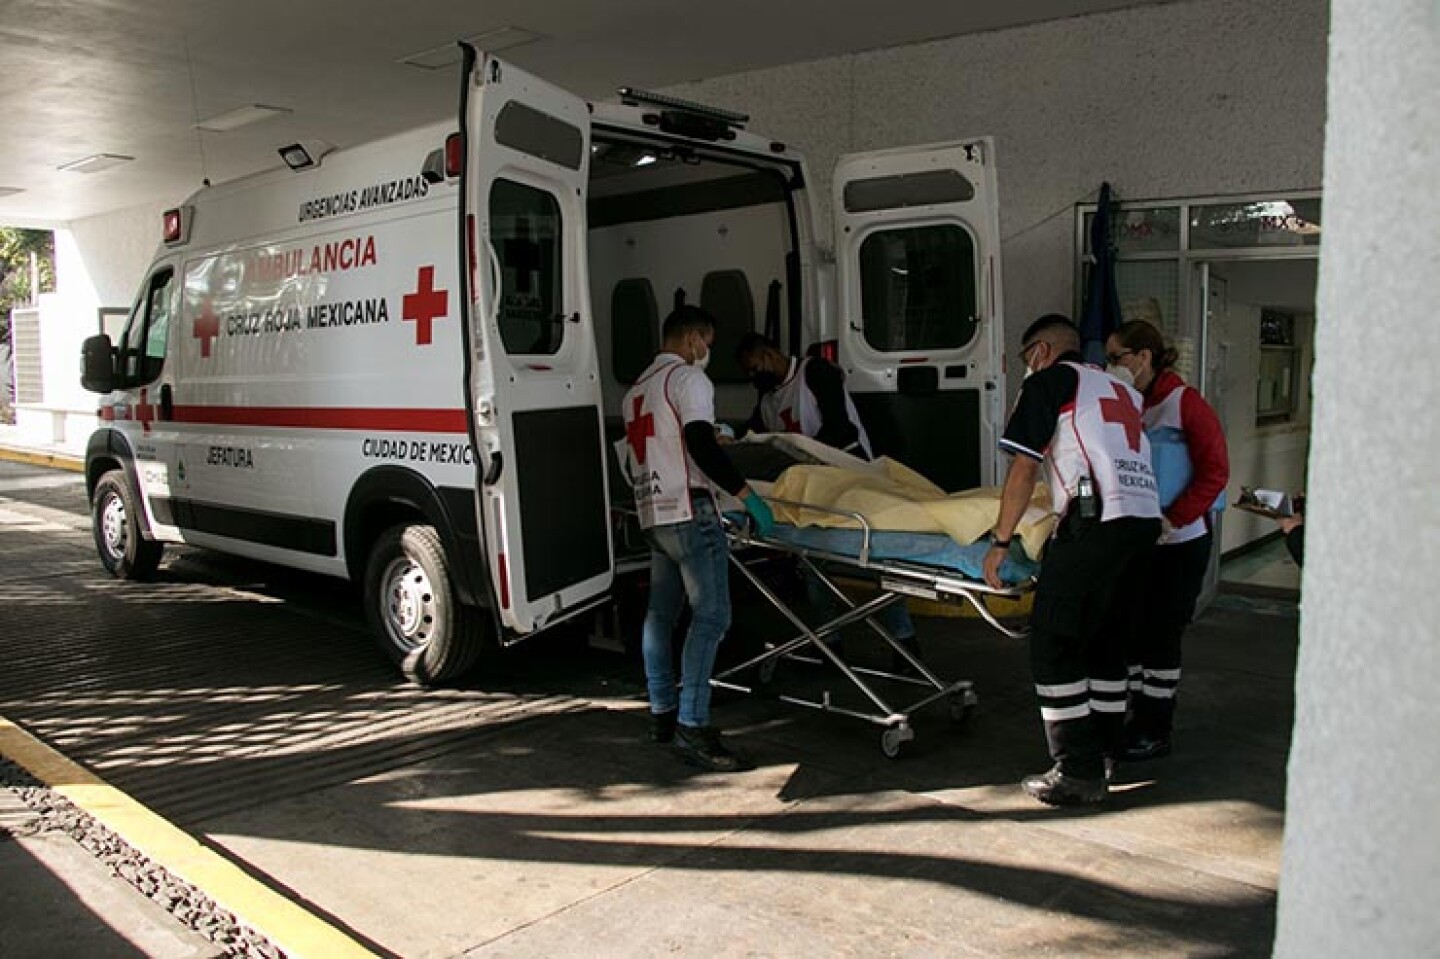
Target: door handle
[167, 402]
[493, 471]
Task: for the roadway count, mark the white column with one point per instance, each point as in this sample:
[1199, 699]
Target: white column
[1361, 872]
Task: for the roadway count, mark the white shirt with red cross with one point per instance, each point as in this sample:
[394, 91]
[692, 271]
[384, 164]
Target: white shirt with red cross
[669, 394]
[1101, 434]
[792, 408]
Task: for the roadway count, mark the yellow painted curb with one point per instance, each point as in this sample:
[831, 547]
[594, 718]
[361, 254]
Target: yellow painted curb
[284, 923]
[56, 460]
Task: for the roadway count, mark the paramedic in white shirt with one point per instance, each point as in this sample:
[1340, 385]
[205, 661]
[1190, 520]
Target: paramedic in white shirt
[676, 466]
[808, 396]
[1083, 428]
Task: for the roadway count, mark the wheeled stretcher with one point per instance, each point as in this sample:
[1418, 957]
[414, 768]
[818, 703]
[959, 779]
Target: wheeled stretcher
[904, 564]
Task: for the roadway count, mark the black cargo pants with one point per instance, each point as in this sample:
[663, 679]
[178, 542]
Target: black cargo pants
[1077, 646]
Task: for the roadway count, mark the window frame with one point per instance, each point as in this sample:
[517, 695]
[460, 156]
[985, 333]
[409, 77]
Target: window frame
[975, 317]
[557, 281]
[135, 341]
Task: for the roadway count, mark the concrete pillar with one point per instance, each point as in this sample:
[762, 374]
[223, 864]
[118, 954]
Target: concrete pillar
[1362, 843]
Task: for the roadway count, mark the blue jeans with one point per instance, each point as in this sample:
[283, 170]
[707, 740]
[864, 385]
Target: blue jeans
[688, 560]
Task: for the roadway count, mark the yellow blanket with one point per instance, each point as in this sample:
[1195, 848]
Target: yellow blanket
[894, 497]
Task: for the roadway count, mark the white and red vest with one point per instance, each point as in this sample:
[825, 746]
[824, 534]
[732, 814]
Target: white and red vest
[653, 454]
[1101, 434]
[792, 408]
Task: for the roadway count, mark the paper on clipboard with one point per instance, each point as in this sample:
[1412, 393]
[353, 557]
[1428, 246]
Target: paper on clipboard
[1265, 502]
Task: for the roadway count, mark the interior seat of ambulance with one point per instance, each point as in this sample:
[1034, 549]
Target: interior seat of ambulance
[664, 223]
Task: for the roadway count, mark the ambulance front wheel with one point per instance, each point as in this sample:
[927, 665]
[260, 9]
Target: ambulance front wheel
[413, 610]
[115, 519]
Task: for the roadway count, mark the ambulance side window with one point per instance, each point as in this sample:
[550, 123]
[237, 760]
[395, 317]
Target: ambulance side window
[143, 353]
[918, 288]
[525, 232]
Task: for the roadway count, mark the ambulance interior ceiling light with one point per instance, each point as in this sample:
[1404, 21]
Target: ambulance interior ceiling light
[95, 163]
[491, 41]
[241, 116]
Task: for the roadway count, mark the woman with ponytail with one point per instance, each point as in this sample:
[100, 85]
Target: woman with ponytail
[1192, 468]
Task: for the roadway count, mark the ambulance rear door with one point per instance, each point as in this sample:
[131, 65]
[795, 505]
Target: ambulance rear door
[532, 374]
[920, 333]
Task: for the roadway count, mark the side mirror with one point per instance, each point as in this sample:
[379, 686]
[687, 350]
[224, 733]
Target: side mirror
[97, 364]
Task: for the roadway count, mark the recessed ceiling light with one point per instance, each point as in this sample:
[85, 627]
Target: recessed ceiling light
[492, 41]
[96, 163]
[10, 190]
[239, 117]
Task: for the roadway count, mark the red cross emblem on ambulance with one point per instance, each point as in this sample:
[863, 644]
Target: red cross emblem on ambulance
[425, 305]
[206, 329]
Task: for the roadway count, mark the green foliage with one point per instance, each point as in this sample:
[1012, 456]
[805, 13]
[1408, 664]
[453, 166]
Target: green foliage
[23, 254]
[16, 249]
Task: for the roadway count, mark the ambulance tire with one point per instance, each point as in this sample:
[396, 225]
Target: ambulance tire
[413, 610]
[115, 521]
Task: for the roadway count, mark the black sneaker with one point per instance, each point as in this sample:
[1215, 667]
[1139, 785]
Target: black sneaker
[1054, 788]
[702, 746]
[662, 726]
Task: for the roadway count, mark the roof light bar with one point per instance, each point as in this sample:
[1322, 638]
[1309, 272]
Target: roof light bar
[176, 225]
[634, 97]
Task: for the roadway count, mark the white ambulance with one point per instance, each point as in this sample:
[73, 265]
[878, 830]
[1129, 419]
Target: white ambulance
[399, 365]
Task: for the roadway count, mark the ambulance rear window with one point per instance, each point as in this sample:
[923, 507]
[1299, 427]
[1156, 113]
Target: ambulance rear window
[525, 232]
[918, 288]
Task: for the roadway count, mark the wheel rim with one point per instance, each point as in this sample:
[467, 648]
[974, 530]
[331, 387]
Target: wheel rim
[112, 526]
[408, 604]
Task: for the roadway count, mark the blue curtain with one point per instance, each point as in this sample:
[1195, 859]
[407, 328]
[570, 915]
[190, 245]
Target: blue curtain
[1102, 300]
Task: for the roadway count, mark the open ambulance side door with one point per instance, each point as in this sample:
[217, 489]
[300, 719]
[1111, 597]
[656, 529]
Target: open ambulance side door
[920, 332]
[533, 377]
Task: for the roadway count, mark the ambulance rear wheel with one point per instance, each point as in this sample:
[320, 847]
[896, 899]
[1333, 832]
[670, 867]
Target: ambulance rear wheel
[413, 610]
[115, 520]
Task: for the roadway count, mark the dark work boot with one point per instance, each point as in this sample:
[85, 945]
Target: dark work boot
[702, 746]
[1054, 788]
[1145, 746]
[662, 726]
[1147, 735]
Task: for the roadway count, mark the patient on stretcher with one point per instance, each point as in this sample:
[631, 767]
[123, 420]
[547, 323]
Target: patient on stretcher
[915, 521]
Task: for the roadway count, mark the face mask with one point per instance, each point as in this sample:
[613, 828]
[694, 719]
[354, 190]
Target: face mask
[1121, 373]
[702, 361]
[765, 381]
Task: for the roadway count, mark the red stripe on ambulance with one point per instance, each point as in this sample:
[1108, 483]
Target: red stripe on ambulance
[327, 418]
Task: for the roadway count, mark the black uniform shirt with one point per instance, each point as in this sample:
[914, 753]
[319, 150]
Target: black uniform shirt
[1037, 410]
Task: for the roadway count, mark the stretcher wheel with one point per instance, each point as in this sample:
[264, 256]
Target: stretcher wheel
[893, 740]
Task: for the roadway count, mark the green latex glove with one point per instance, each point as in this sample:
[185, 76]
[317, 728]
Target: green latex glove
[760, 513]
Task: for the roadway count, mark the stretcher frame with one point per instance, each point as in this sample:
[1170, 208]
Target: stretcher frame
[897, 579]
